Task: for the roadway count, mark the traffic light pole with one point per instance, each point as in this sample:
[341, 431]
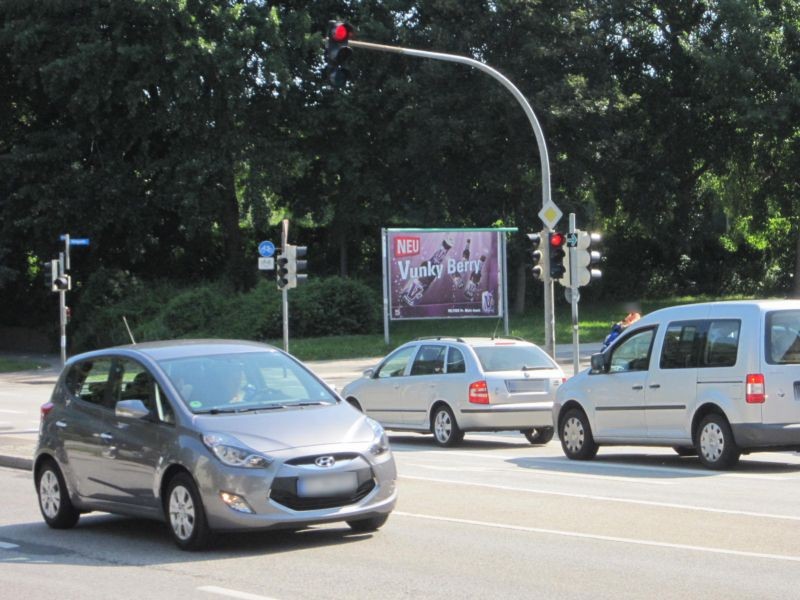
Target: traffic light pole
[549, 299]
[574, 296]
[62, 312]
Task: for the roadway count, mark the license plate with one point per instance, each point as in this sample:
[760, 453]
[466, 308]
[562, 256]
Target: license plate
[331, 484]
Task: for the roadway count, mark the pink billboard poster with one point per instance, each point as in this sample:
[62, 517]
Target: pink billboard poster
[443, 274]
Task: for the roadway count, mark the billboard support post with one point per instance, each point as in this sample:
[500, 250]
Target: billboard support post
[504, 284]
[384, 263]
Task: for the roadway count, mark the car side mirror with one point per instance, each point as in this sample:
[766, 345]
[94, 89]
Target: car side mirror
[368, 372]
[598, 362]
[131, 409]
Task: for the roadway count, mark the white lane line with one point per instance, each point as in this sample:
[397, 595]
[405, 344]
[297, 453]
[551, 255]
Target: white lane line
[221, 591]
[602, 538]
[7, 411]
[509, 488]
[8, 545]
[558, 461]
[527, 471]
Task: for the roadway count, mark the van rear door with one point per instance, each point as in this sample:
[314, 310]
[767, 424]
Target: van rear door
[782, 366]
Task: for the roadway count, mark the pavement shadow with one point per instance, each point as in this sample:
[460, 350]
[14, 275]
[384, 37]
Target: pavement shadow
[111, 540]
[650, 466]
[426, 442]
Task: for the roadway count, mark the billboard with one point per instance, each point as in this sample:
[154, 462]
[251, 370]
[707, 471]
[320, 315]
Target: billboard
[453, 273]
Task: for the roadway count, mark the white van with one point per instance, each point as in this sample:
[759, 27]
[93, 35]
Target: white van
[716, 379]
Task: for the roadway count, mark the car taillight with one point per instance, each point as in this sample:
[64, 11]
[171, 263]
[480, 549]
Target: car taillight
[755, 389]
[479, 392]
[46, 408]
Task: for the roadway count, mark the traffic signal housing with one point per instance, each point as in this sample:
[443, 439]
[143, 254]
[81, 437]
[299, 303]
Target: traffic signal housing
[300, 265]
[537, 255]
[50, 269]
[556, 253]
[289, 269]
[337, 52]
[282, 270]
[587, 257]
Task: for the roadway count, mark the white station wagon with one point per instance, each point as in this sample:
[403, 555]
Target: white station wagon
[716, 379]
[447, 386]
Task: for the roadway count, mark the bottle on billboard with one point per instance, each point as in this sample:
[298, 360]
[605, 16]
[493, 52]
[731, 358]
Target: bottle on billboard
[474, 280]
[416, 287]
[457, 278]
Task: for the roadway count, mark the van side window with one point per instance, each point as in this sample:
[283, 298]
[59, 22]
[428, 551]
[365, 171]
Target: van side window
[680, 348]
[722, 344]
[632, 353]
[783, 337]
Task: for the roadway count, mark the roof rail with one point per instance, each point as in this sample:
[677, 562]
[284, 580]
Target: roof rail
[438, 337]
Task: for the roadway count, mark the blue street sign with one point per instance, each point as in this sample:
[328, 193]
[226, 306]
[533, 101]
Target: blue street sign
[75, 241]
[266, 249]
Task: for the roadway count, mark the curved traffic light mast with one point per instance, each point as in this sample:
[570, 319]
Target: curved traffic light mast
[334, 26]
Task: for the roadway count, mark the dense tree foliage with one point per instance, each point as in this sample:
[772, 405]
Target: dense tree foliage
[176, 134]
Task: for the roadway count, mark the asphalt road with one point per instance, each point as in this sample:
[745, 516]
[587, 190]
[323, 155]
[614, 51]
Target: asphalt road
[495, 518]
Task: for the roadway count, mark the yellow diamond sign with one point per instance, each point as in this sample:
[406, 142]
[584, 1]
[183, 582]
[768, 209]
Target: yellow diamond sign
[550, 214]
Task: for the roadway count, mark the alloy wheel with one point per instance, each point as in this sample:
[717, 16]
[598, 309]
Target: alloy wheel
[181, 512]
[443, 426]
[50, 494]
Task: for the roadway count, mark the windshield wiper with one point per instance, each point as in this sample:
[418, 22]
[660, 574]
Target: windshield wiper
[220, 411]
[310, 403]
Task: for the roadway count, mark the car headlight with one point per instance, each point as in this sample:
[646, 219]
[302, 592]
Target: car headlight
[230, 451]
[380, 443]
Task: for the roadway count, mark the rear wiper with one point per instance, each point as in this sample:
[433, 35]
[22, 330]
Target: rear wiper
[527, 368]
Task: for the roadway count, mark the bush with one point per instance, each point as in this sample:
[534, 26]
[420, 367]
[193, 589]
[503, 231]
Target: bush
[333, 306]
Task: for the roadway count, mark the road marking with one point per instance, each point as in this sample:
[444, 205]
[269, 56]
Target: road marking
[529, 471]
[8, 545]
[509, 488]
[212, 589]
[602, 538]
[6, 411]
[600, 464]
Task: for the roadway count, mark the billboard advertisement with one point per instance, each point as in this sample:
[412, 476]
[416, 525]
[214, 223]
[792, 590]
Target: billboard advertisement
[434, 274]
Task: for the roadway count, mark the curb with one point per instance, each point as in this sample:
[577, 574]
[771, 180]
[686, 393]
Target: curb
[16, 462]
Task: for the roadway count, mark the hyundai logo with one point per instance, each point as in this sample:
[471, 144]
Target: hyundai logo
[325, 461]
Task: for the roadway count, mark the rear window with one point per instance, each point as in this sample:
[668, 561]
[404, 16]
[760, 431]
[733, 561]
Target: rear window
[783, 337]
[513, 358]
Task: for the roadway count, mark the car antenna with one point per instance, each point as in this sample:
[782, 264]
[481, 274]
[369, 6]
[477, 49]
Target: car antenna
[130, 333]
[494, 333]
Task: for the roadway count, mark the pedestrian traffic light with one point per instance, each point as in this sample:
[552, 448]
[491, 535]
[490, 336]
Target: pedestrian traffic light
[587, 257]
[300, 265]
[537, 255]
[337, 52]
[282, 270]
[556, 252]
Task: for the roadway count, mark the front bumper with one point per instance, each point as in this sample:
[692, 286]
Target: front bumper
[272, 493]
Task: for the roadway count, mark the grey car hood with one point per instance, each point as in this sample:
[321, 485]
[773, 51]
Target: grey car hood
[291, 427]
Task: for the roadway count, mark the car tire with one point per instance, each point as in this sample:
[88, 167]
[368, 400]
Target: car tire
[368, 525]
[186, 517]
[576, 437]
[54, 500]
[715, 444]
[685, 450]
[539, 435]
[444, 426]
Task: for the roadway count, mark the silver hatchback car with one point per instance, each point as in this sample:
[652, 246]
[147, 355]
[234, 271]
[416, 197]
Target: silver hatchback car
[208, 435]
[448, 386]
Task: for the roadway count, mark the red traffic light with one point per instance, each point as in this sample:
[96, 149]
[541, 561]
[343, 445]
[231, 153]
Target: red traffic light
[557, 239]
[340, 32]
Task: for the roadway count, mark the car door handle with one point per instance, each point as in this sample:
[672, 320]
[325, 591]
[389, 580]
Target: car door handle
[638, 387]
[61, 424]
[654, 386]
[106, 437]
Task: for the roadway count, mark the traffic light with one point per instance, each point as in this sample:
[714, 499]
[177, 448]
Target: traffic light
[337, 51]
[587, 257]
[300, 265]
[50, 269]
[537, 255]
[556, 252]
[62, 283]
[282, 270]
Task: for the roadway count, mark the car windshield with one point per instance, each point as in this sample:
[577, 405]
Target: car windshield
[783, 337]
[512, 358]
[244, 382]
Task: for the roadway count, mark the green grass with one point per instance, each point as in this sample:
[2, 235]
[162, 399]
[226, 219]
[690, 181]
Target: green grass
[8, 365]
[595, 321]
